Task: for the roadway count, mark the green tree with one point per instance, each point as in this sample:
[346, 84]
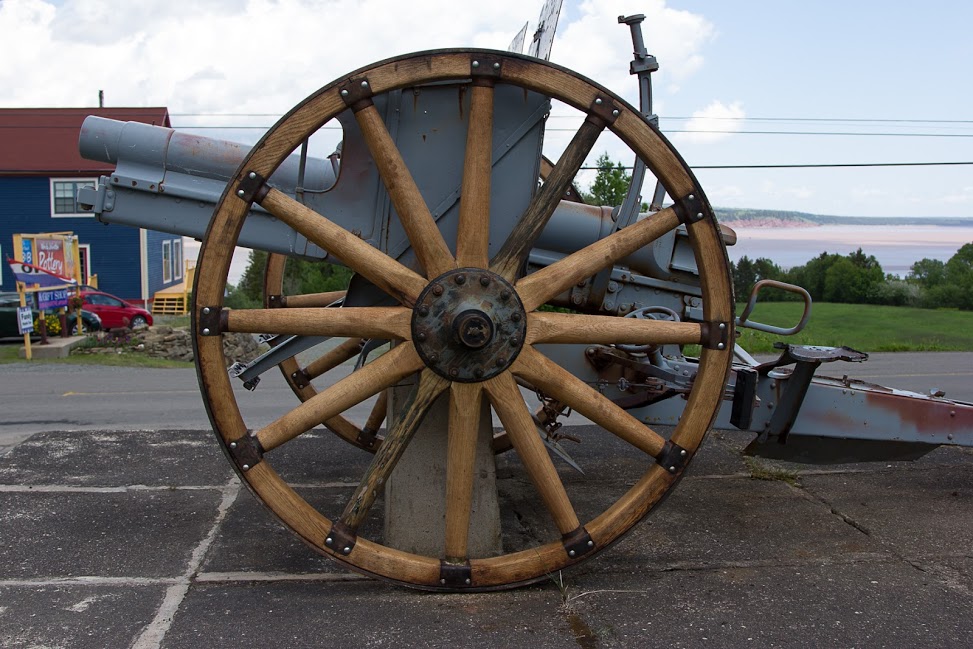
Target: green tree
[610, 185]
[746, 273]
[811, 276]
[300, 276]
[927, 273]
[959, 276]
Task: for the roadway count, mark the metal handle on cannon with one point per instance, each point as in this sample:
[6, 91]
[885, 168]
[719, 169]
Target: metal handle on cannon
[743, 319]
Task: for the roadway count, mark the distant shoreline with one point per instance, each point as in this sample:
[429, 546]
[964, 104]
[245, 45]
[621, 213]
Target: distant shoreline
[750, 218]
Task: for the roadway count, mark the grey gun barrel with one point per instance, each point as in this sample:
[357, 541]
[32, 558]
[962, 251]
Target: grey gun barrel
[158, 149]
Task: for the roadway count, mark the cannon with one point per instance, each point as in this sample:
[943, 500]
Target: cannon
[461, 235]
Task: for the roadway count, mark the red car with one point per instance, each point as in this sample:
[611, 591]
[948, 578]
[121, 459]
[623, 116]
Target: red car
[114, 311]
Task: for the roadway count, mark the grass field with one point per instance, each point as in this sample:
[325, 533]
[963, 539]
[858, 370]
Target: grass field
[865, 327]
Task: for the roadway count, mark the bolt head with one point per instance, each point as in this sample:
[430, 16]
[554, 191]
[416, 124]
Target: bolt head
[205, 310]
[461, 279]
[423, 311]
[420, 336]
[683, 453]
[346, 550]
[598, 101]
[615, 113]
[721, 346]
[476, 64]
[591, 544]
[434, 358]
[515, 316]
[246, 467]
[240, 193]
[232, 444]
[364, 84]
[484, 281]
[699, 216]
[505, 294]
[454, 372]
[329, 541]
[344, 93]
[437, 290]
[206, 332]
[252, 175]
[571, 553]
[478, 372]
[496, 66]
[722, 326]
[501, 361]
[442, 581]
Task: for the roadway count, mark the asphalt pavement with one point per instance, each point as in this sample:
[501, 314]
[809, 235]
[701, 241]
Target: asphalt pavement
[137, 533]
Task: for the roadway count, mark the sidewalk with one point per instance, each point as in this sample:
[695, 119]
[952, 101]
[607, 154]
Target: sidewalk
[116, 539]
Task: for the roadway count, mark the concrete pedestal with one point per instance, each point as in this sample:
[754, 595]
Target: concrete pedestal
[415, 493]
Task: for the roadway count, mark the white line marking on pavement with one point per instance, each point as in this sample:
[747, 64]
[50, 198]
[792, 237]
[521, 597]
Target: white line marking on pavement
[65, 488]
[154, 633]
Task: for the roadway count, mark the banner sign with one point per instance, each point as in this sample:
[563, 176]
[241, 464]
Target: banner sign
[25, 320]
[30, 274]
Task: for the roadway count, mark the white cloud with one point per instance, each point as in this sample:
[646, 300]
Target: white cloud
[598, 47]
[963, 196]
[714, 123]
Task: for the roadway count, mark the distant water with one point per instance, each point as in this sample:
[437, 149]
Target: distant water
[896, 247]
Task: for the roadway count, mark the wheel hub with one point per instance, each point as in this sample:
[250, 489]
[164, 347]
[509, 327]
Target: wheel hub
[468, 325]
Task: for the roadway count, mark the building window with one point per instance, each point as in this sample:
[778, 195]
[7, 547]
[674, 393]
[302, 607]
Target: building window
[166, 262]
[177, 262]
[64, 196]
[84, 252]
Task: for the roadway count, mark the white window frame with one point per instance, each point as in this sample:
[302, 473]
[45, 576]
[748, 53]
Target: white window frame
[166, 262]
[177, 262]
[86, 261]
[65, 215]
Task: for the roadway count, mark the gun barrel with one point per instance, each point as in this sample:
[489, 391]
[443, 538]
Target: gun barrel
[164, 150]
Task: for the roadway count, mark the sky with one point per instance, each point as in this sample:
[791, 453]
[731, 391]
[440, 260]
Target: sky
[895, 74]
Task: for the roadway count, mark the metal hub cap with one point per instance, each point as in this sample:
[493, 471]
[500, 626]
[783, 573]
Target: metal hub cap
[468, 325]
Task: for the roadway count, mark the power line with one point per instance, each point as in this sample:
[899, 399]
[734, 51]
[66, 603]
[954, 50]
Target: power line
[834, 165]
[839, 133]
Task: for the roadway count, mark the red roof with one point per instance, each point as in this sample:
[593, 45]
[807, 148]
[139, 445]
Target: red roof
[44, 141]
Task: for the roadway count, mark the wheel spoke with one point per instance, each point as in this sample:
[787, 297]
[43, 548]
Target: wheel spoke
[557, 382]
[520, 427]
[420, 227]
[473, 240]
[537, 288]
[368, 322]
[384, 272]
[333, 358]
[375, 418]
[518, 245]
[401, 361]
[312, 299]
[464, 426]
[430, 386]
[578, 328]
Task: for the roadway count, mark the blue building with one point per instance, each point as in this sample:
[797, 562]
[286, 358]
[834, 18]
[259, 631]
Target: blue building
[40, 174]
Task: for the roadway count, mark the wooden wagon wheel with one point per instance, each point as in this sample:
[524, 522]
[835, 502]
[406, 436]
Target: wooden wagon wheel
[299, 378]
[496, 341]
